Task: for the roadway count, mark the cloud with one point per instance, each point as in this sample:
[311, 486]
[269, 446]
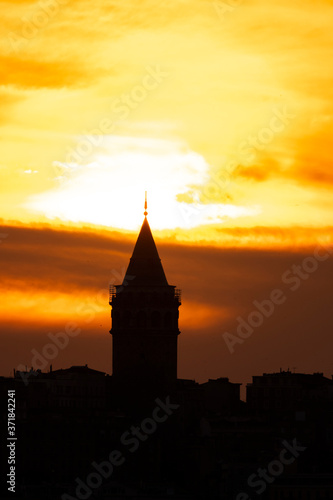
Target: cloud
[313, 161]
[9, 98]
[50, 277]
[224, 80]
[117, 179]
[265, 169]
[33, 73]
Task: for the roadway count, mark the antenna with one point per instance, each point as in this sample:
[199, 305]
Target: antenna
[145, 213]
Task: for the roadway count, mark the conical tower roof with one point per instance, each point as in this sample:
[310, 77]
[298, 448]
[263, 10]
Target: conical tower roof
[145, 268]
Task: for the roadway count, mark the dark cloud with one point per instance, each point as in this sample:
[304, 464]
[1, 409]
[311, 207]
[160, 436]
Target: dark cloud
[298, 333]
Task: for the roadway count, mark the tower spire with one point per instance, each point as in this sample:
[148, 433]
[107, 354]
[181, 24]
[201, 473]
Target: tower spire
[144, 326]
[145, 213]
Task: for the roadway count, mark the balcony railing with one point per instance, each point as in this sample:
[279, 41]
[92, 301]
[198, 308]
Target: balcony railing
[178, 294]
[112, 293]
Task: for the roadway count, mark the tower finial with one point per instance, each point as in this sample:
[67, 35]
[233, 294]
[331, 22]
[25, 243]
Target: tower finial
[145, 213]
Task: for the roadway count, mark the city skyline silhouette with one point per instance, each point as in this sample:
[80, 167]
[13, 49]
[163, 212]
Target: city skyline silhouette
[166, 248]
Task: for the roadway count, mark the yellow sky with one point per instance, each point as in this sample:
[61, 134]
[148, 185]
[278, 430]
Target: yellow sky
[221, 110]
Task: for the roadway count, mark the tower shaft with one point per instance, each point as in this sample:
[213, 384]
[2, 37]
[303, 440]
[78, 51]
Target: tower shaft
[145, 322]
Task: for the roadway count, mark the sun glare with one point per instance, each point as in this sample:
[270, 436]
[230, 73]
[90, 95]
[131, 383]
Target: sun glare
[110, 189]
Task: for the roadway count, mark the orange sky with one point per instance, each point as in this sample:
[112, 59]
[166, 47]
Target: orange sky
[221, 110]
[184, 99]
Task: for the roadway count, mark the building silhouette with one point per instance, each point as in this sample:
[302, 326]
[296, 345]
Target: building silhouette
[144, 324]
[287, 391]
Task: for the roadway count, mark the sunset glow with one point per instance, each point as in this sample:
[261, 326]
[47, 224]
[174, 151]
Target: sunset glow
[223, 115]
[214, 111]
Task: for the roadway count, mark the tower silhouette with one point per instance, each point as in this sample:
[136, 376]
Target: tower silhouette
[145, 323]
